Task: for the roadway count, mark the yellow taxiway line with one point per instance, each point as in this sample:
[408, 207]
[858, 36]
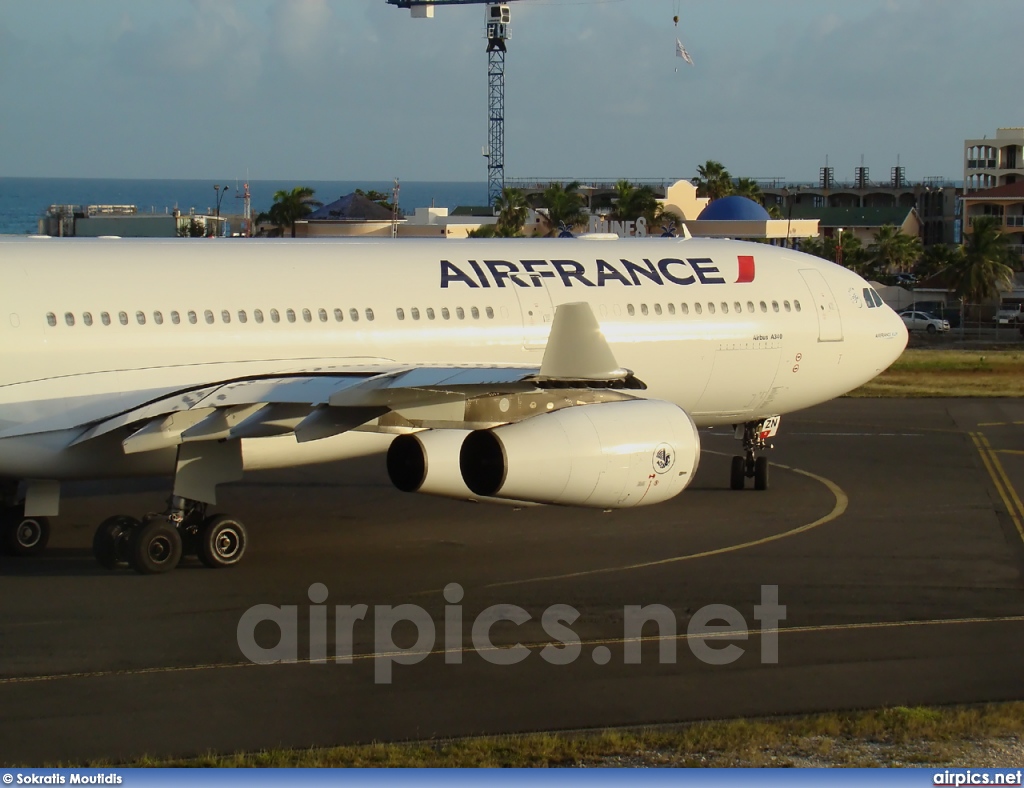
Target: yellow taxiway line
[1011, 500]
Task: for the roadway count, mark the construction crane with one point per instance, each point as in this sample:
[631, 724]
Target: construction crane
[498, 29]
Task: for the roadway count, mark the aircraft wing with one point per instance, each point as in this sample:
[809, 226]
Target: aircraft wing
[312, 404]
[325, 401]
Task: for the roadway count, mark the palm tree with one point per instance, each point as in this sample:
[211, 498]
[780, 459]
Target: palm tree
[983, 269]
[632, 202]
[512, 213]
[289, 207]
[713, 180]
[893, 251]
[853, 252]
[936, 258]
[749, 188]
[564, 205]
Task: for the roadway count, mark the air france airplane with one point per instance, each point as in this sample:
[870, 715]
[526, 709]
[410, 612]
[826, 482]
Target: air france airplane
[567, 372]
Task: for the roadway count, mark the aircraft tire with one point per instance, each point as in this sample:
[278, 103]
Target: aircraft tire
[761, 473]
[155, 547]
[222, 541]
[24, 536]
[737, 473]
[111, 544]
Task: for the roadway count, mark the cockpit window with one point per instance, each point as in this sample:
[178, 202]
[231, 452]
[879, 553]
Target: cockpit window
[868, 299]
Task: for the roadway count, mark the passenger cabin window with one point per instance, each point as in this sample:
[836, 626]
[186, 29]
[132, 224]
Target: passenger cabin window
[796, 305]
[657, 309]
[338, 316]
[786, 306]
[475, 313]
[192, 317]
[711, 308]
[175, 318]
[69, 318]
[430, 313]
[400, 313]
[158, 318]
[242, 316]
[750, 307]
[51, 319]
[630, 310]
[290, 314]
[460, 313]
[123, 318]
[307, 315]
[208, 317]
[775, 306]
[415, 312]
[225, 316]
[445, 313]
[257, 315]
[322, 314]
[140, 318]
[764, 307]
[684, 308]
[87, 318]
[490, 313]
[671, 309]
[354, 315]
[643, 309]
[369, 315]
[697, 307]
[105, 318]
[725, 308]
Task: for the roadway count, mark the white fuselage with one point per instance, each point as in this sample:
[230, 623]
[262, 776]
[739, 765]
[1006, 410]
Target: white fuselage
[729, 331]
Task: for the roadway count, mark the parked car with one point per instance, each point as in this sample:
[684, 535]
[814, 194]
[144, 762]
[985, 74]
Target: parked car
[1008, 315]
[924, 321]
[904, 280]
[940, 309]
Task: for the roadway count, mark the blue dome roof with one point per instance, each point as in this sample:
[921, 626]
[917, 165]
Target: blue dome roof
[733, 209]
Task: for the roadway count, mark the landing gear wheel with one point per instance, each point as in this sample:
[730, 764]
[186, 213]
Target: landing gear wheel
[24, 536]
[761, 473]
[222, 541]
[155, 547]
[737, 474]
[112, 540]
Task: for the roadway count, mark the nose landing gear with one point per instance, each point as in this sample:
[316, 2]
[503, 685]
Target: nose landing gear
[749, 465]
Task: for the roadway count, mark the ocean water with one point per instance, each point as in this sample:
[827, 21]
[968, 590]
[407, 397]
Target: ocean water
[24, 200]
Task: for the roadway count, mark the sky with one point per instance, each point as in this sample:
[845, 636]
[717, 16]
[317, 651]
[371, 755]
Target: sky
[359, 90]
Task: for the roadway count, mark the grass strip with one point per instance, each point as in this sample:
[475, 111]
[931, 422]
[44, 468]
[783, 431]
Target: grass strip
[950, 373]
[932, 734]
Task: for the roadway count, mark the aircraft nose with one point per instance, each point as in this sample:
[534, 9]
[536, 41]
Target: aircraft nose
[901, 335]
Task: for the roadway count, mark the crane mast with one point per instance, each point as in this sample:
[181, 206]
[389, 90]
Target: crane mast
[498, 30]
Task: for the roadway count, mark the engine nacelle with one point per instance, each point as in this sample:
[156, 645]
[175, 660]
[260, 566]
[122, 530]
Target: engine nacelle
[610, 455]
[428, 462]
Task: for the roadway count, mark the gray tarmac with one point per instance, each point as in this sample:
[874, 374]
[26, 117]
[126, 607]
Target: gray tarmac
[892, 531]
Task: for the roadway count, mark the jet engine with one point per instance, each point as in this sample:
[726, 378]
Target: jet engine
[428, 462]
[609, 455]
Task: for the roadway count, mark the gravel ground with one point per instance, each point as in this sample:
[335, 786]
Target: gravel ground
[821, 751]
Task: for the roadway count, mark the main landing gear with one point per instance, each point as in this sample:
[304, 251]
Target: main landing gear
[21, 535]
[750, 466]
[156, 543]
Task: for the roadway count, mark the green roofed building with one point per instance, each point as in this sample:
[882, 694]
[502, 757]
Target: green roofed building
[862, 222]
